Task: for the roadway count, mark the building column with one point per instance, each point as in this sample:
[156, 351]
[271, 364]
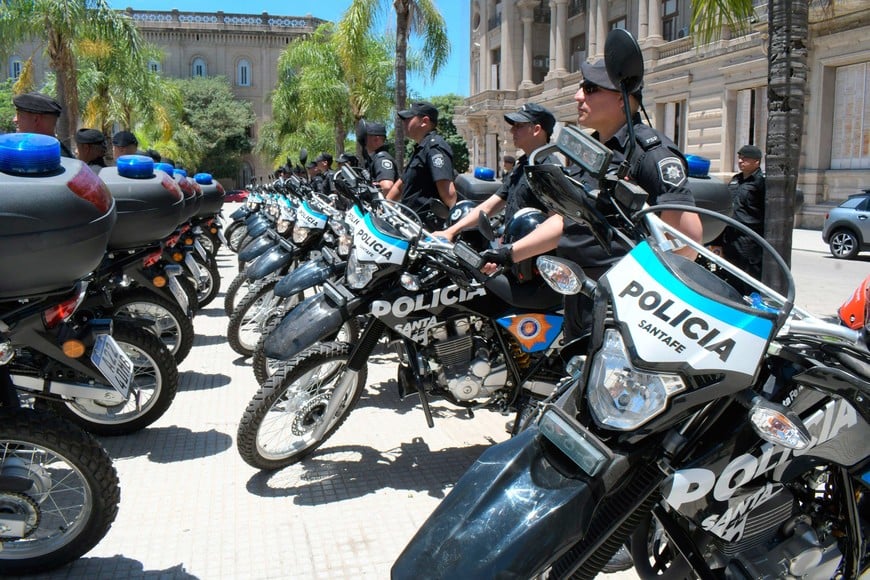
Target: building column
[642, 20]
[592, 28]
[526, 8]
[485, 56]
[507, 72]
[601, 27]
[560, 15]
[654, 17]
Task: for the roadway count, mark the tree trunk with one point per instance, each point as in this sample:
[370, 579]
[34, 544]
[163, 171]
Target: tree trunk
[402, 25]
[63, 62]
[786, 93]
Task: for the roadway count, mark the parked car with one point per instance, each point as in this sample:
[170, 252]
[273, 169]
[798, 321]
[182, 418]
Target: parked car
[847, 226]
[236, 195]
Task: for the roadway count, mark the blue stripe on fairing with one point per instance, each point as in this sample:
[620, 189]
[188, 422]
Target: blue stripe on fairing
[313, 212]
[398, 242]
[650, 262]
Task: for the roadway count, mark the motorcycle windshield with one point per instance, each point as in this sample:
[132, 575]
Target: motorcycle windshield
[507, 517]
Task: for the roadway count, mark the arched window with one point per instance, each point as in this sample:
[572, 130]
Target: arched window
[198, 68]
[154, 66]
[243, 73]
[16, 66]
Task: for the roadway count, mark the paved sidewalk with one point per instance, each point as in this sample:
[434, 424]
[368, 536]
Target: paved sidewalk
[192, 509]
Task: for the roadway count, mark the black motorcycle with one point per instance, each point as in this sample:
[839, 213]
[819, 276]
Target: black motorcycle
[717, 435]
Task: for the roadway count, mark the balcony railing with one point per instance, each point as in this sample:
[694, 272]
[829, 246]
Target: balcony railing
[576, 7]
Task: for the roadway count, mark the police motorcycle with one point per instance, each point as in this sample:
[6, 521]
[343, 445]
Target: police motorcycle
[59, 492]
[133, 282]
[473, 341]
[720, 436]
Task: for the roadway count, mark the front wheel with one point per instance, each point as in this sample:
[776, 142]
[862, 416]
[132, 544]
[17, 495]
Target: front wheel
[277, 429]
[152, 389]
[844, 244]
[57, 487]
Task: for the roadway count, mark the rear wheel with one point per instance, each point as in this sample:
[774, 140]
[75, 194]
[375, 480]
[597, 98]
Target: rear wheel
[59, 484]
[209, 281]
[844, 244]
[165, 319]
[152, 389]
[277, 428]
[236, 292]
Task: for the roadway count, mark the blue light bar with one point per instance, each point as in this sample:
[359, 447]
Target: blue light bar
[203, 178]
[135, 166]
[29, 153]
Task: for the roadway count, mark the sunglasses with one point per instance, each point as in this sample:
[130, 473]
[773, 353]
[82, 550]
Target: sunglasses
[589, 87]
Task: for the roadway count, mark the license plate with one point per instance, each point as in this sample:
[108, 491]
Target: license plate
[178, 293]
[115, 365]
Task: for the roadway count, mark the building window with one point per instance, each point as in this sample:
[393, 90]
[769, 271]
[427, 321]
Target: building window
[243, 73]
[16, 66]
[576, 7]
[618, 23]
[673, 121]
[540, 68]
[750, 125]
[578, 52]
[199, 68]
[851, 147]
[670, 24]
[154, 66]
[494, 69]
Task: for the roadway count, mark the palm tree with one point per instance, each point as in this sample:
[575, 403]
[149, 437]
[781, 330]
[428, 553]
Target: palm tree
[60, 24]
[413, 17]
[787, 55]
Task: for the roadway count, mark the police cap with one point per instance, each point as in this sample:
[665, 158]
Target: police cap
[750, 152]
[596, 74]
[420, 109]
[533, 113]
[90, 137]
[376, 129]
[124, 138]
[37, 103]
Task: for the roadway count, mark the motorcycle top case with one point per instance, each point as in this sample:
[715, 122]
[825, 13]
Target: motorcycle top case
[149, 208]
[212, 195]
[475, 189]
[711, 193]
[54, 227]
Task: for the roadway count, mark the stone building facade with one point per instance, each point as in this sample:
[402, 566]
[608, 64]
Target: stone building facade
[244, 48]
[710, 99]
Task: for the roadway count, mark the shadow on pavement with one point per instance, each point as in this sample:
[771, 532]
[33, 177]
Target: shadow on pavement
[196, 381]
[211, 311]
[168, 444]
[120, 567]
[351, 471]
[209, 339]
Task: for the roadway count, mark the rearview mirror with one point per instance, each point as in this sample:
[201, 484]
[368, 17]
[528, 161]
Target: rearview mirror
[624, 60]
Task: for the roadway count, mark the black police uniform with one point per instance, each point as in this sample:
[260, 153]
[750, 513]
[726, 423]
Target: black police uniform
[381, 166]
[660, 169]
[515, 190]
[432, 161]
[747, 199]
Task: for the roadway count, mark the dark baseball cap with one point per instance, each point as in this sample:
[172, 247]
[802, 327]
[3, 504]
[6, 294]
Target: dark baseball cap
[124, 138]
[596, 73]
[348, 158]
[324, 156]
[750, 152]
[376, 129]
[533, 113]
[37, 103]
[420, 109]
[90, 137]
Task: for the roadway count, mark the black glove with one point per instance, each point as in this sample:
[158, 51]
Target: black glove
[501, 256]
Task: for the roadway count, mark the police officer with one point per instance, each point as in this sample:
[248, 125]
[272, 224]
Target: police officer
[91, 148]
[430, 169]
[531, 127]
[748, 191]
[38, 113]
[322, 181]
[380, 165]
[657, 166]
[124, 143]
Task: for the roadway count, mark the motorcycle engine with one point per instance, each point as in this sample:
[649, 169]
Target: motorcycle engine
[465, 360]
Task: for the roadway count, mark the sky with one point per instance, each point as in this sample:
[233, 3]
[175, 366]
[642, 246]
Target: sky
[452, 79]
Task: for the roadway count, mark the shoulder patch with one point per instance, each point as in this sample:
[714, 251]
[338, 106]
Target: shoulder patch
[671, 171]
[386, 164]
[438, 160]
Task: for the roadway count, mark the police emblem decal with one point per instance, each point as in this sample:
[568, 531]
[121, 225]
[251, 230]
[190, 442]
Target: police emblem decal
[387, 164]
[671, 171]
[438, 160]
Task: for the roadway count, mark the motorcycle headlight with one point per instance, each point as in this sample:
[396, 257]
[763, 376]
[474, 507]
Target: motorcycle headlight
[300, 233]
[621, 396]
[282, 226]
[253, 205]
[274, 210]
[358, 274]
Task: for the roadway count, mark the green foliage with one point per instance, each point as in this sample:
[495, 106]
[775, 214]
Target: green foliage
[218, 126]
[7, 110]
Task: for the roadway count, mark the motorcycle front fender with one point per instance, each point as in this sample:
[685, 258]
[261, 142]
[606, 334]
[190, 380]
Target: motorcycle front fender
[307, 276]
[257, 225]
[240, 213]
[271, 261]
[310, 322]
[508, 516]
[257, 248]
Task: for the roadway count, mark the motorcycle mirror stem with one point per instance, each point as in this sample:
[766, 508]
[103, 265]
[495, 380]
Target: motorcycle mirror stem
[485, 226]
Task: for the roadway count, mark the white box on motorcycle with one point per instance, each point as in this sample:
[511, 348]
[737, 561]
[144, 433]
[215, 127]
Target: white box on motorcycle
[475, 189]
[212, 195]
[56, 216]
[150, 202]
